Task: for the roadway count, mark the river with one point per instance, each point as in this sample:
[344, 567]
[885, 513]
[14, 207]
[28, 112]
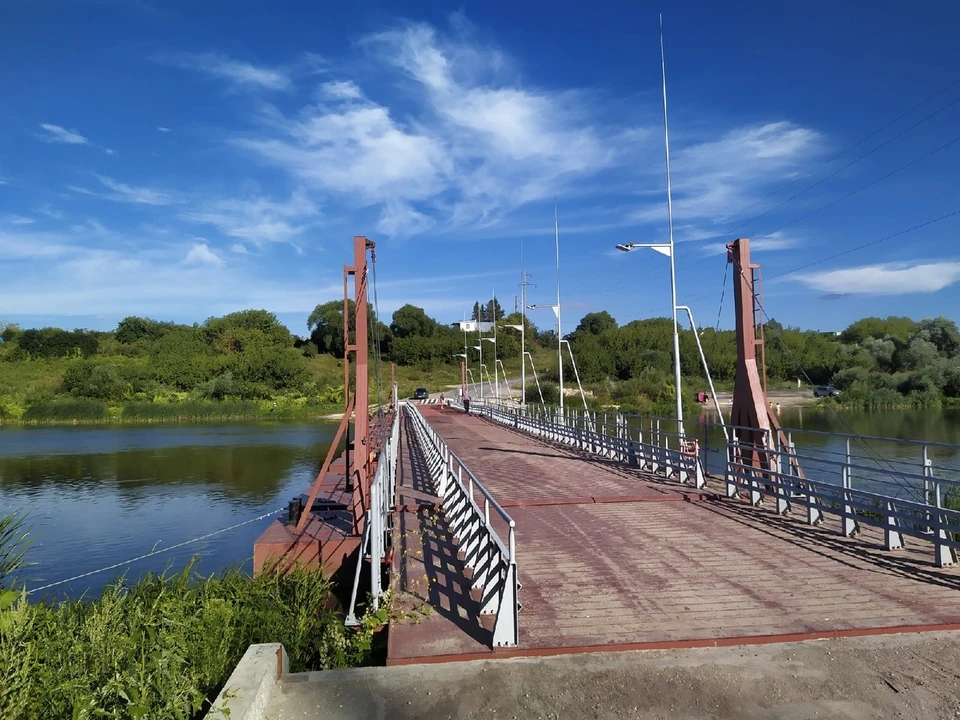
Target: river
[102, 495]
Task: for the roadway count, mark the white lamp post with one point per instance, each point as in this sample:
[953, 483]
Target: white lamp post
[667, 249]
[480, 348]
[496, 370]
[523, 363]
[556, 311]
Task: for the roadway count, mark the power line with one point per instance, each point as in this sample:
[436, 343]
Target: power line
[723, 221]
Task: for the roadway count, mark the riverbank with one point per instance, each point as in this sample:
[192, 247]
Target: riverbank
[86, 411]
[165, 645]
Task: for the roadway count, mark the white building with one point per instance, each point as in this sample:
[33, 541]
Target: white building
[473, 326]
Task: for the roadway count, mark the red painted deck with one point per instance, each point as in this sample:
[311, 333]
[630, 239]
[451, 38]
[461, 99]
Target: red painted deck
[607, 562]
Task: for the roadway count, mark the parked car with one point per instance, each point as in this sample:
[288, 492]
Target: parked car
[825, 391]
[421, 394]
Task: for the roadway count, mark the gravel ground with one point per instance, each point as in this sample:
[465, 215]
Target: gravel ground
[891, 676]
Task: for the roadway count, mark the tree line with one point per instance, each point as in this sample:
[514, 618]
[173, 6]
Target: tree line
[875, 362]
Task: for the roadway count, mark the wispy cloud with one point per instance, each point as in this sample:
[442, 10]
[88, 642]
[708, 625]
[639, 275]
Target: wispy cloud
[239, 249]
[764, 243]
[885, 278]
[257, 219]
[714, 179]
[201, 254]
[477, 145]
[18, 220]
[236, 72]
[121, 192]
[163, 129]
[57, 134]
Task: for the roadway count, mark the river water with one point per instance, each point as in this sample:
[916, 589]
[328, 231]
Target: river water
[103, 495]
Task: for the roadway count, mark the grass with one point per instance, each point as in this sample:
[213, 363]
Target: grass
[164, 646]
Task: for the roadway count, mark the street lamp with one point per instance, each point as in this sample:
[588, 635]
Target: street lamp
[496, 370]
[480, 348]
[523, 363]
[667, 249]
[556, 311]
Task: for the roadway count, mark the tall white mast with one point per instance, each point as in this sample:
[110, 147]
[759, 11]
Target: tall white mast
[673, 270]
[556, 231]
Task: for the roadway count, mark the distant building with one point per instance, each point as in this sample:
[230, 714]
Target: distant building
[473, 326]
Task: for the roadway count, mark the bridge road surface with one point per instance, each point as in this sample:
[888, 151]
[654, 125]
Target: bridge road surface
[612, 559]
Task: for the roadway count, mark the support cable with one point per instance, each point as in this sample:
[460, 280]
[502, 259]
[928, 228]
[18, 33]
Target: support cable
[152, 553]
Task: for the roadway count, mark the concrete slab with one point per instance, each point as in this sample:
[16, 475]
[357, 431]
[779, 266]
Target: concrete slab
[895, 676]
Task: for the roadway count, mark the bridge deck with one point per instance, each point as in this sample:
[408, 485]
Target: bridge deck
[607, 561]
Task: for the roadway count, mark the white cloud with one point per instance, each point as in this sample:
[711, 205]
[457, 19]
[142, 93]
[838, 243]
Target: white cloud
[238, 248]
[257, 219]
[714, 179]
[131, 194]
[201, 254]
[19, 220]
[163, 129]
[885, 278]
[58, 134]
[341, 90]
[475, 145]
[764, 243]
[398, 218]
[238, 72]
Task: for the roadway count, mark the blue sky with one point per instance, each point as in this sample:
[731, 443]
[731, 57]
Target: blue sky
[181, 160]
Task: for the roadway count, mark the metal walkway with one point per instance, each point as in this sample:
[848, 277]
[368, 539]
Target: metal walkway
[612, 557]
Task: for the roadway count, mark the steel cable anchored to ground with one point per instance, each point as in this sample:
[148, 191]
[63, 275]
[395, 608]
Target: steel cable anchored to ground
[152, 553]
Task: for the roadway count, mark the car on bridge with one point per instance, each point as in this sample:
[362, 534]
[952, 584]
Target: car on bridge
[825, 391]
[421, 394]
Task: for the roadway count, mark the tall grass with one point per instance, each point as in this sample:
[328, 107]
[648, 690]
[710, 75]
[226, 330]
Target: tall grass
[14, 543]
[67, 410]
[190, 410]
[163, 647]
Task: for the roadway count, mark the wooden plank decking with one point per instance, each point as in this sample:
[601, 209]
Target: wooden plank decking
[607, 561]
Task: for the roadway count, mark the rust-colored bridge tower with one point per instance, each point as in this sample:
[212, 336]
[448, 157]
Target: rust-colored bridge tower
[327, 527]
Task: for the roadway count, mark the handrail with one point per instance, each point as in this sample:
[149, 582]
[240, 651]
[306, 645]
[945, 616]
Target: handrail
[377, 526]
[897, 517]
[492, 562]
[654, 456]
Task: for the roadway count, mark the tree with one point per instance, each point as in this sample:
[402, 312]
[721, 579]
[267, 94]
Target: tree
[594, 323]
[412, 321]
[942, 333]
[476, 312]
[326, 326]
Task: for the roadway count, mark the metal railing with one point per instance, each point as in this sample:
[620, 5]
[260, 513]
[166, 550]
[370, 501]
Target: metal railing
[902, 498]
[904, 487]
[467, 506]
[378, 518]
[649, 445]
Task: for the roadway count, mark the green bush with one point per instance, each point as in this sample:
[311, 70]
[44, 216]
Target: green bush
[165, 646]
[66, 409]
[190, 410]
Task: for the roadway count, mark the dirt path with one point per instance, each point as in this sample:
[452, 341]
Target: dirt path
[786, 398]
[891, 676]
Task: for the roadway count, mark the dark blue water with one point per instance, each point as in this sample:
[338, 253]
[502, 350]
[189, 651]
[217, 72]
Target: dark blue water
[101, 495]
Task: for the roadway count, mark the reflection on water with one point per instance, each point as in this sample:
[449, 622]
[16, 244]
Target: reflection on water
[102, 495]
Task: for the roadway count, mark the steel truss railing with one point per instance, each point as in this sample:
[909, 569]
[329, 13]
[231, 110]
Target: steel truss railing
[466, 506]
[613, 435]
[378, 525]
[771, 469]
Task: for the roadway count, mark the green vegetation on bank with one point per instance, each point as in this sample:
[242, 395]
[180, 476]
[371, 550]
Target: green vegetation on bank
[162, 647]
[248, 365]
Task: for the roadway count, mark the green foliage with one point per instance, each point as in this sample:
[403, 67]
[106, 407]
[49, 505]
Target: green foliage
[165, 646]
[57, 343]
[67, 410]
[192, 410]
[14, 543]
